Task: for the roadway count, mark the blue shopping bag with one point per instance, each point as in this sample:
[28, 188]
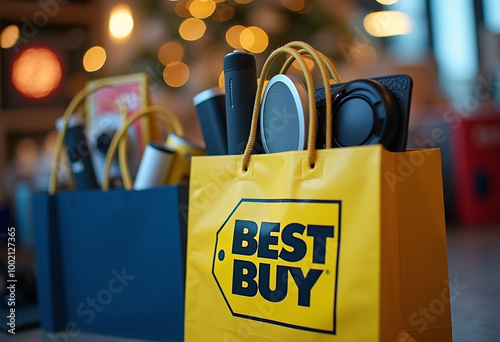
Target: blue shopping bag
[112, 262]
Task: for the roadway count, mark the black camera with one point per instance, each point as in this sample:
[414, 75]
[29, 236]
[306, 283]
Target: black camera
[367, 111]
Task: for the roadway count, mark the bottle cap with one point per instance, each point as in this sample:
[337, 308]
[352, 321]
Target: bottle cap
[239, 59]
[207, 95]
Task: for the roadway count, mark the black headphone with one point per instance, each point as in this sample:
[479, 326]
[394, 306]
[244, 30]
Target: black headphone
[364, 113]
[369, 111]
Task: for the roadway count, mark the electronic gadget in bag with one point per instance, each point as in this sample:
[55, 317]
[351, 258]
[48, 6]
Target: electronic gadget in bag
[240, 79]
[78, 152]
[364, 112]
[210, 107]
[370, 111]
[154, 167]
[162, 163]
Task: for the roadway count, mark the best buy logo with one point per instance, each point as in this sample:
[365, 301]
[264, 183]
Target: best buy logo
[276, 261]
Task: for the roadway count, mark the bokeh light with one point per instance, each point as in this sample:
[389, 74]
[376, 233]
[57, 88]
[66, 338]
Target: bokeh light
[387, 23]
[254, 39]
[294, 5]
[182, 8]
[308, 7]
[387, 2]
[243, 1]
[233, 35]
[192, 29]
[9, 36]
[170, 52]
[222, 80]
[309, 62]
[176, 74]
[202, 8]
[37, 72]
[121, 22]
[223, 12]
[94, 58]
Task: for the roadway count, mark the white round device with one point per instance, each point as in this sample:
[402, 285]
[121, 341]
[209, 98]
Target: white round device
[284, 115]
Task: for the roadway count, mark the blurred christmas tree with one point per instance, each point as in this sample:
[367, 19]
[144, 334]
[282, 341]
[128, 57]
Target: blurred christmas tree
[190, 37]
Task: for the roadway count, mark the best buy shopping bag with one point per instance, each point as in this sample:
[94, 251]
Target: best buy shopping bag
[343, 244]
[348, 251]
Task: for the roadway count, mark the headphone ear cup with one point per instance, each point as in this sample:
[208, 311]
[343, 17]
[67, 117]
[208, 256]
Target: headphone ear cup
[363, 113]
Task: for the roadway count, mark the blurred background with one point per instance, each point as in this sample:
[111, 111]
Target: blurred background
[51, 48]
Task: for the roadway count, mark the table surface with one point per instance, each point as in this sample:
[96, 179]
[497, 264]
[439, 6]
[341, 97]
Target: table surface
[474, 272]
[474, 265]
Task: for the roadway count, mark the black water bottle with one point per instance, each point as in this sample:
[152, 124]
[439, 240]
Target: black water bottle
[211, 110]
[79, 153]
[240, 79]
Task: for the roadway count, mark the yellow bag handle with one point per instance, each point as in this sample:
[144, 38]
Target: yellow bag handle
[296, 49]
[70, 110]
[164, 115]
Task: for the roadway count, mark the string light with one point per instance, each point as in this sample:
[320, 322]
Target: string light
[170, 52]
[192, 29]
[294, 5]
[233, 36]
[223, 12]
[37, 72]
[182, 8]
[387, 23]
[94, 58]
[221, 80]
[309, 62]
[387, 2]
[9, 36]
[121, 22]
[176, 74]
[254, 39]
[202, 8]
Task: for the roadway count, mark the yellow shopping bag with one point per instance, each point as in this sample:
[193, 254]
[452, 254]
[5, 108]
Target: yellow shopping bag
[340, 244]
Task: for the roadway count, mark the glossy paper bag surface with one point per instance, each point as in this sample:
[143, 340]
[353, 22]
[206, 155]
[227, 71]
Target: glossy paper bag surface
[286, 252]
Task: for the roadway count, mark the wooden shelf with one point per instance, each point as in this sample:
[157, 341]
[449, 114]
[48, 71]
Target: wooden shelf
[29, 120]
[73, 13]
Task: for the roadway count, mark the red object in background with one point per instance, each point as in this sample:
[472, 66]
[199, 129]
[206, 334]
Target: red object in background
[477, 169]
[32, 77]
[37, 72]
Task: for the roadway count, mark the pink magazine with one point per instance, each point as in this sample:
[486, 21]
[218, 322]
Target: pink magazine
[104, 106]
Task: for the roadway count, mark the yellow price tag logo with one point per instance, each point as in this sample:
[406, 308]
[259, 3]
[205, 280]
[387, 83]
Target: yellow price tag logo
[276, 261]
